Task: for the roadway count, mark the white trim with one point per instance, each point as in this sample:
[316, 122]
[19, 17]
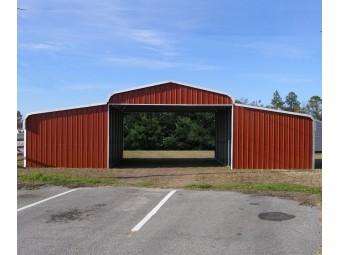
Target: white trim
[164, 82]
[200, 105]
[232, 138]
[108, 136]
[25, 132]
[274, 110]
[313, 158]
[64, 109]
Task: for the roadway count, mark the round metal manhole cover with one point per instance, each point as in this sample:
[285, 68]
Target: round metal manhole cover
[276, 216]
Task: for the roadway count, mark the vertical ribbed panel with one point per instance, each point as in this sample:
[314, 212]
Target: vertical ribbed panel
[169, 93]
[318, 135]
[69, 138]
[271, 140]
[116, 136]
[223, 136]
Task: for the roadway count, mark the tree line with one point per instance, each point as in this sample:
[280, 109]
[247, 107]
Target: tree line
[291, 104]
[169, 131]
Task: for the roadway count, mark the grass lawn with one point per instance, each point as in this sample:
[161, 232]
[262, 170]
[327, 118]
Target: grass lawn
[182, 170]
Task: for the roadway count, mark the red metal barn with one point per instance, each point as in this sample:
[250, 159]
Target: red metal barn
[246, 137]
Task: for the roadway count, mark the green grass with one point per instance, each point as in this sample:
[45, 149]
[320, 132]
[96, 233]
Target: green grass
[144, 184]
[39, 177]
[199, 186]
[259, 187]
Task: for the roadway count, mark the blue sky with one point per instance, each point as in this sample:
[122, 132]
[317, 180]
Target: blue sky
[76, 52]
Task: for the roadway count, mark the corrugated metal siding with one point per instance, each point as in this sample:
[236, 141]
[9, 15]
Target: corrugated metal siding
[116, 141]
[318, 136]
[223, 136]
[69, 138]
[270, 140]
[169, 93]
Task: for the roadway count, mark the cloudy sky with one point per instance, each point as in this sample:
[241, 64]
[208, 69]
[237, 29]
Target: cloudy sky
[73, 52]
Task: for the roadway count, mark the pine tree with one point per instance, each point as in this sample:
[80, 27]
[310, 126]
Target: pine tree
[277, 102]
[19, 120]
[314, 107]
[292, 104]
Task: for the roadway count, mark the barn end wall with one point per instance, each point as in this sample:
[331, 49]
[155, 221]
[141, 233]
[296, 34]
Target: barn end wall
[170, 93]
[74, 138]
[271, 140]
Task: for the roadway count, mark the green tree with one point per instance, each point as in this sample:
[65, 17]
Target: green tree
[277, 102]
[174, 131]
[143, 132]
[19, 120]
[242, 100]
[314, 107]
[292, 104]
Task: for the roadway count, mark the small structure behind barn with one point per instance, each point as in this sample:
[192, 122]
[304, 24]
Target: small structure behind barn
[318, 135]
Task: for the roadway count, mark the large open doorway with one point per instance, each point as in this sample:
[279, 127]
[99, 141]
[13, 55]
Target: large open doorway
[223, 138]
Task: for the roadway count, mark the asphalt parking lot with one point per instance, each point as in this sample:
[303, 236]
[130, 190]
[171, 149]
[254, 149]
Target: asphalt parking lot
[118, 220]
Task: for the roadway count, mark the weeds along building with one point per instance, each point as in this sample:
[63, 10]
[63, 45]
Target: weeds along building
[246, 137]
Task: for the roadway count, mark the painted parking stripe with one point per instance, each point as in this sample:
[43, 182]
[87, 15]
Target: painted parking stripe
[153, 212]
[42, 201]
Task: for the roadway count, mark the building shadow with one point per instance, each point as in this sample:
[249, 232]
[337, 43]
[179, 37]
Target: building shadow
[167, 163]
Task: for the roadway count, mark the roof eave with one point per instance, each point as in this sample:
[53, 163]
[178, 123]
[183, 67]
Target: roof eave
[275, 110]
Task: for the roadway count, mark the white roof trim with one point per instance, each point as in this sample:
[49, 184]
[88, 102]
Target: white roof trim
[176, 82]
[194, 105]
[274, 110]
[64, 109]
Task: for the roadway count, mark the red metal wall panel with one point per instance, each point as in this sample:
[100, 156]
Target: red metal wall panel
[169, 93]
[271, 140]
[68, 138]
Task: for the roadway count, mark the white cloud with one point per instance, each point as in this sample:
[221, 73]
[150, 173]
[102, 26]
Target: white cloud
[85, 22]
[159, 64]
[152, 40]
[279, 78]
[42, 46]
[277, 49]
[149, 37]
[84, 87]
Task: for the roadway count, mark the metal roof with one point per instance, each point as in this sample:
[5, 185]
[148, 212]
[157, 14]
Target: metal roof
[64, 109]
[274, 110]
[169, 81]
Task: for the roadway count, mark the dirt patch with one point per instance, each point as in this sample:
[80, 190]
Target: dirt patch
[168, 154]
[20, 161]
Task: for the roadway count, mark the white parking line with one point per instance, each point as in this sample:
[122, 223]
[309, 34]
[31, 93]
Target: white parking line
[28, 206]
[154, 210]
